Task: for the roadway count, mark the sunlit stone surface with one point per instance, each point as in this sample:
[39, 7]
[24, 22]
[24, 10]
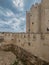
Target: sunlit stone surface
[7, 58]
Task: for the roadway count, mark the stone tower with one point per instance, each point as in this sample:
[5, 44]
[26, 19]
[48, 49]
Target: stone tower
[38, 18]
[45, 16]
[33, 19]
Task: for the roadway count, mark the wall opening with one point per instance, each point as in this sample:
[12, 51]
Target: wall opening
[32, 23]
[29, 43]
[47, 29]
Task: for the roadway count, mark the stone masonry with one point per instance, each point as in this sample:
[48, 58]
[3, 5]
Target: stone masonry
[36, 38]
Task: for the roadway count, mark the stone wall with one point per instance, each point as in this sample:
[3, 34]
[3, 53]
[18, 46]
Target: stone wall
[45, 16]
[35, 18]
[36, 44]
[37, 40]
[38, 18]
[27, 21]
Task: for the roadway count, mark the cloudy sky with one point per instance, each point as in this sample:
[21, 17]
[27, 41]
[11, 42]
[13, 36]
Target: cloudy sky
[13, 15]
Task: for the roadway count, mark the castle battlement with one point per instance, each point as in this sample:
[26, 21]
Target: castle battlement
[36, 38]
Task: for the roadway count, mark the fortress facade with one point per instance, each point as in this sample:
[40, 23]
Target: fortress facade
[36, 38]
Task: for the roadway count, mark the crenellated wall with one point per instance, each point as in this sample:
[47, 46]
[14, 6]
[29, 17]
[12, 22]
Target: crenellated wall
[36, 44]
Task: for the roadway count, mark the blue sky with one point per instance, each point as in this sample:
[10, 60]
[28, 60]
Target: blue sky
[13, 14]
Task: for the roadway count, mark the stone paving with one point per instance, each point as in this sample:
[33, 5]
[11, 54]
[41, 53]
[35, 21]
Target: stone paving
[7, 58]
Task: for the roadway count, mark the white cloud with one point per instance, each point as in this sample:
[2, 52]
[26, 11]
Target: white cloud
[9, 13]
[19, 4]
[22, 18]
[12, 20]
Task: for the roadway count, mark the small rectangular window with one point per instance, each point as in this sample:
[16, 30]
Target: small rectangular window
[29, 30]
[34, 37]
[19, 40]
[29, 43]
[32, 23]
[47, 29]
